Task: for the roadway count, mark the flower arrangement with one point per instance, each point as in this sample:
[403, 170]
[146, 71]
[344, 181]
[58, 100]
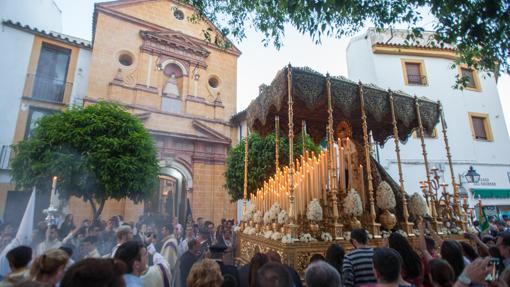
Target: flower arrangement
[418, 206]
[455, 230]
[237, 228]
[314, 210]
[401, 232]
[352, 203]
[274, 211]
[257, 216]
[325, 236]
[268, 234]
[287, 239]
[250, 230]
[471, 229]
[385, 198]
[277, 236]
[283, 217]
[306, 237]
[445, 230]
[267, 217]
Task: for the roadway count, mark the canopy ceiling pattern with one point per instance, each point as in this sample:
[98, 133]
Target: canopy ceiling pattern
[311, 105]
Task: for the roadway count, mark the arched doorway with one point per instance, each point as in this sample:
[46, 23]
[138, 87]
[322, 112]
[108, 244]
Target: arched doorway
[170, 200]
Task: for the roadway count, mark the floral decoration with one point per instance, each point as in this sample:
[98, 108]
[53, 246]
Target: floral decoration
[267, 217]
[277, 236]
[325, 236]
[352, 203]
[385, 198]
[314, 210]
[257, 217]
[418, 206]
[306, 237]
[283, 217]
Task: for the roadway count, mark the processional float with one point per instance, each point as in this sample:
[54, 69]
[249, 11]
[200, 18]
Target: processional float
[319, 197]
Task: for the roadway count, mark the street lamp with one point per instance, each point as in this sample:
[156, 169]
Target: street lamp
[472, 176]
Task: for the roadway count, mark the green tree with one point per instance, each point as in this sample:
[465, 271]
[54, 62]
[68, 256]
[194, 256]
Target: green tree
[261, 161]
[480, 29]
[99, 152]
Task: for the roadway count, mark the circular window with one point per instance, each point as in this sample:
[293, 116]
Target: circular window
[125, 59]
[214, 82]
[178, 14]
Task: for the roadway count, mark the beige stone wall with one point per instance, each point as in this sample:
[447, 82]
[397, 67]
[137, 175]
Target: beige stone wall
[210, 199]
[113, 36]
[82, 210]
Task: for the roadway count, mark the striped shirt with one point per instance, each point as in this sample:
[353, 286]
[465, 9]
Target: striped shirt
[358, 267]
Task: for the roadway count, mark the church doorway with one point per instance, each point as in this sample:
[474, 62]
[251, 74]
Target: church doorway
[170, 200]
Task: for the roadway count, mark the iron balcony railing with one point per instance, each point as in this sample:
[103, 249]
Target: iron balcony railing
[47, 89]
[5, 155]
[416, 79]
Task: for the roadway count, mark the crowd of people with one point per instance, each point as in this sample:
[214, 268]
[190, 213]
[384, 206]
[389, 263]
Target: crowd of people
[150, 253]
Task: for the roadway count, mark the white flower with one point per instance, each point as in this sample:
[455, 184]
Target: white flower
[385, 198]
[385, 234]
[251, 208]
[283, 217]
[251, 231]
[237, 228]
[325, 236]
[277, 236]
[401, 232]
[418, 206]
[314, 210]
[471, 229]
[455, 230]
[352, 203]
[257, 216]
[268, 234]
[274, 211]
[267, 217]
[306, 237]
[287, 239]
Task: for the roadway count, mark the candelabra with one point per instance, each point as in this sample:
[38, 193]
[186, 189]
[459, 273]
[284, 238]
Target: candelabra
[442, 199]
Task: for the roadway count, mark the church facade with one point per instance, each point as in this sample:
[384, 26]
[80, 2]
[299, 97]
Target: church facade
[148, 57]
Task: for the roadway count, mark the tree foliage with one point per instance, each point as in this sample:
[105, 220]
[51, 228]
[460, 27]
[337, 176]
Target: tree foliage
[480, 29]
[98, 152]
[261, 161]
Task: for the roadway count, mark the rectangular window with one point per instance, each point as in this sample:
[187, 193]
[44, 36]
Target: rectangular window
[51, 73]
[414, 72]
[480, 127]
[34, 115]
[469, 79]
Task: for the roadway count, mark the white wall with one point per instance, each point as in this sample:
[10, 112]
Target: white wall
[43, 14]
[16, 47]
[490, 159]
[81, 76]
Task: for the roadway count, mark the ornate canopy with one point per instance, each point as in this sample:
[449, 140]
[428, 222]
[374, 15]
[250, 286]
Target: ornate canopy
[311, 105]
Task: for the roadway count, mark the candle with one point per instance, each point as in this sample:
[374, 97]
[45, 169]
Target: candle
[54, 184]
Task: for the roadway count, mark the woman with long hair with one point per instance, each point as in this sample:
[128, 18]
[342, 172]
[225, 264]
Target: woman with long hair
[412, 269]
[48, 268]
[441, 273]
[451, 251]
[257, 261]
[205, 273]
[335, 256]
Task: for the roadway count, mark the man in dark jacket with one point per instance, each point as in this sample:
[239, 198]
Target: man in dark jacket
[187, 260]
[229, 272]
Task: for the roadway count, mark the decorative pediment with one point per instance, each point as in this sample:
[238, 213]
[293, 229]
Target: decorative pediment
[174, 44]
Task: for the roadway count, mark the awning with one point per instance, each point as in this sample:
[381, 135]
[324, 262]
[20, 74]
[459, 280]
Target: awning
[490, 192]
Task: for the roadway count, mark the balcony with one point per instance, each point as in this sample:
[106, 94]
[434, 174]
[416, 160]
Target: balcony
[47, 89]
[420, 80]
[5, 155]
